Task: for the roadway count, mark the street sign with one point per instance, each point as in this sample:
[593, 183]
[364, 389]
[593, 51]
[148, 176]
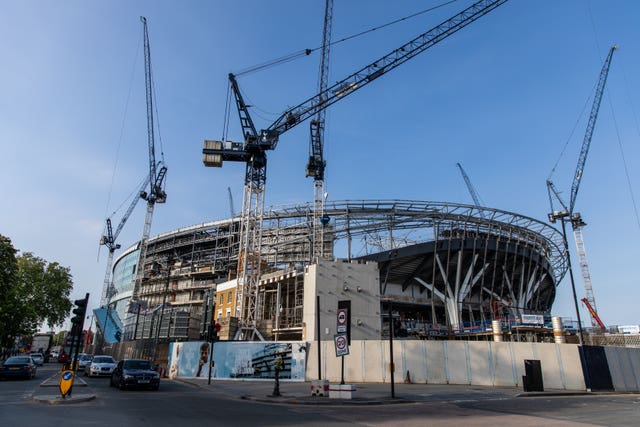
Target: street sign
[342, 348]
[342, 320]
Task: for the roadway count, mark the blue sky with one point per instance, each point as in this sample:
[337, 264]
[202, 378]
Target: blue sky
[501, 97]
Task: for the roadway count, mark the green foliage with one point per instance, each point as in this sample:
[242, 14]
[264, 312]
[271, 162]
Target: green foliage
[32, 292]
[9, 305]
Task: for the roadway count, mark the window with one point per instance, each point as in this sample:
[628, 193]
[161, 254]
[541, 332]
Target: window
[221, 298]
[228, 312]
[219, 314]
[229, 297]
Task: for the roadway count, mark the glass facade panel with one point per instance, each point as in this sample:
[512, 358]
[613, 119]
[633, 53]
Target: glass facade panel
[124, 273]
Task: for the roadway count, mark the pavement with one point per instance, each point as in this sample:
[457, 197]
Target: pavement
[299, 393]
[49, 392]
[365, 393]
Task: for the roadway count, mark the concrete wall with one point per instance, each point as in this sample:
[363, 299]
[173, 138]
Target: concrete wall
[624, 366]
[336, 281]
[484, 363]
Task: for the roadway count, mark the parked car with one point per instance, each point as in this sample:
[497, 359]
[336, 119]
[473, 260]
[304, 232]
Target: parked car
[135, 373]
[18, 367]
[83, 360]
[99, 366]
[38, 358]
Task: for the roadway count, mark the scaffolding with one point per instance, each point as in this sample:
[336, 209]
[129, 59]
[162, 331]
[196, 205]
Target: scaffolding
[525, 256]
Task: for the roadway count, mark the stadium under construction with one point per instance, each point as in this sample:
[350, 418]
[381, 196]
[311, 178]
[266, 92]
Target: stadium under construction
[437, 269]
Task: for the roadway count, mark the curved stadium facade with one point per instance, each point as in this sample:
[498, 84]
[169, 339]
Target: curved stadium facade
[440, 266]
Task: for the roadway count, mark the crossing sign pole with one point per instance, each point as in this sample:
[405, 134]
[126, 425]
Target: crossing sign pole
[342, 337]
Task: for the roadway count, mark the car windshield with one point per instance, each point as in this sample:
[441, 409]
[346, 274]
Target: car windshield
[85, 357]
[103, 359]
[137, 364]
[18, 360]
[36, 354]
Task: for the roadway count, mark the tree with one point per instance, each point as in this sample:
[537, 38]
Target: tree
[32, 292]
[9, 306]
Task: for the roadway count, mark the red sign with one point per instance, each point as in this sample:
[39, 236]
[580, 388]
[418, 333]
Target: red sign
[342, 320]
[342, 347]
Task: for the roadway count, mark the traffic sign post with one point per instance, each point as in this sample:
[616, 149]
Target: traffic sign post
[341, 339]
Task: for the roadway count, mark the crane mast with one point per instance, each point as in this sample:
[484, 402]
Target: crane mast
[156, 192]
[317, 164]
[253, 150]
[568, 211]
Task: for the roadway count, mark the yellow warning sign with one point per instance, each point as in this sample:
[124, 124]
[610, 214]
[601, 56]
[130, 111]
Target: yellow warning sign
[66, 382]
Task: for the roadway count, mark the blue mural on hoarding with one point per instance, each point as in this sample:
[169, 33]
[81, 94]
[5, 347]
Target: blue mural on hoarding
[189, 359]
[237, 360]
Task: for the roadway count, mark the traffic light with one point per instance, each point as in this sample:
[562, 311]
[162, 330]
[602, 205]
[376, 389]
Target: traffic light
[77, 321]
[216, 329]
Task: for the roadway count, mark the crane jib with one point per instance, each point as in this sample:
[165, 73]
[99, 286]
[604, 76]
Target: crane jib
[267, 138]
[367, 74]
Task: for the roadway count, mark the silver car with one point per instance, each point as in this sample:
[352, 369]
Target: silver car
[100, 365]
[38, 358]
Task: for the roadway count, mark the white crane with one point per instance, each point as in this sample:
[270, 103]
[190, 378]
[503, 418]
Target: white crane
[567, 213]
[156, 192]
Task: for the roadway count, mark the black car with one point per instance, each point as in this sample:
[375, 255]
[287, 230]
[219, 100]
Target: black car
[135, 373]
[18, 367]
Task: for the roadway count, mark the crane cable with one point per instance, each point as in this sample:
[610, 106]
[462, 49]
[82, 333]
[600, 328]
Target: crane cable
[575, 126]
[306, 52]
[124, 119]
[635, 118]
[157, 117]
[227, 108]
[615, 122]
[624, 162]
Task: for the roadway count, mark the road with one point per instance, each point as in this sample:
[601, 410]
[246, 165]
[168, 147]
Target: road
[182, 404]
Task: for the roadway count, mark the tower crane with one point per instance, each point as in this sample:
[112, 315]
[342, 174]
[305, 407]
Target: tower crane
[157, 171]
[232, 210]
[109, 240]
[316, 165]
[253, 151]
[567, 213]
[472, 190]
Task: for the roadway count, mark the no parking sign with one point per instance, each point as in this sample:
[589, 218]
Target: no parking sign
[342, 348]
